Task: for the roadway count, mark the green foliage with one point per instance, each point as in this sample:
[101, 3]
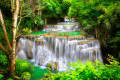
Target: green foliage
[1, 33]
[38, 21]
[3, 62]
[1, 76]
[65, 6]
[21, 66]
[29, 24]
[5, 6]
[26, 31]
[51, 9]
[25, 8]
[9, 79]
[85, 11]
[101, 19]
[88, 71]
[8, 25]
[26, 76]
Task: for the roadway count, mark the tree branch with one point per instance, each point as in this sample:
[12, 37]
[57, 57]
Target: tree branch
[4, 30]
[26, 15]
[3, 49]
[20, 17]
[11, 5]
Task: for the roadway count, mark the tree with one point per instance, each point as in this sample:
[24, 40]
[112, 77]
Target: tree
[101, 19]
[10, 52]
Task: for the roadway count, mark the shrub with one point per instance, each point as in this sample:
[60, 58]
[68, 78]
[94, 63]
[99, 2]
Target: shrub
[88, 71]
[26, 31]
[3, 64]
[26, 76]
[21, 66]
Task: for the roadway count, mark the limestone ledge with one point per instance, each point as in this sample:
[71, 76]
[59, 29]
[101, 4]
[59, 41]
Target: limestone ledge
[39, 40]
[49, 35]
[96, 49]
[59, 36]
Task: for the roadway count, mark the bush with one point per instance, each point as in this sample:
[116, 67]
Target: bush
[26, 76]
[88, 71]
[26, 31]
[3, 64]
[21, 66]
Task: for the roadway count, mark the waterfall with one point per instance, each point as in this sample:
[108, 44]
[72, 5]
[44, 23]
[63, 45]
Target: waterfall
[58, 51]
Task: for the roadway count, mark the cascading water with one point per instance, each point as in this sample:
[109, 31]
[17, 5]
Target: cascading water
[58, 50]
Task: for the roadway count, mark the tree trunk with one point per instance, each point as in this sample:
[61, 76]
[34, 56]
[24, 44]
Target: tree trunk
[45, 22]
[10, 53]
[14, 27]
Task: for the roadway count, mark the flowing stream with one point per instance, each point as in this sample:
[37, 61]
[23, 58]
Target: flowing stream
[51, 49]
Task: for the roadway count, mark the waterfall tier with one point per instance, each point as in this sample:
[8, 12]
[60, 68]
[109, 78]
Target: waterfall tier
[44, 50]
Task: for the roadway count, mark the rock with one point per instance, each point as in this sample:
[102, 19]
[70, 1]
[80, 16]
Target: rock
[17, 48]
[55, 65]
[52, 65]
[28, 49]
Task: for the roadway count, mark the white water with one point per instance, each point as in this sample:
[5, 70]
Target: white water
[60, 50]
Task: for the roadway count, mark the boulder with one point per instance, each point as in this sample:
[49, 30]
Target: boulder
[55, 65]
[52, 65]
